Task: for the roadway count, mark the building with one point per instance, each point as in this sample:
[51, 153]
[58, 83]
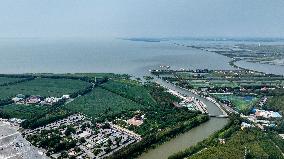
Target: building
[33, 100]
[245, 125]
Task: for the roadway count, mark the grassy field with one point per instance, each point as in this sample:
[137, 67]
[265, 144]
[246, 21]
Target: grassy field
[101, 102]
[24, 111]
[240, 102]
[5, 80]
[43, 87]
[131, 90]
[257, 144]
[212, 83]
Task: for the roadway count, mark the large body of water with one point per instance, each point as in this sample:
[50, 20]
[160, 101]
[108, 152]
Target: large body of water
[88, 55]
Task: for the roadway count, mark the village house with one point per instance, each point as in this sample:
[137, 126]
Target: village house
[33, 100]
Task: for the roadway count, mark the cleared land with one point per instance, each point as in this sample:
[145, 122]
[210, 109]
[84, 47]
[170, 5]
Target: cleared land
[44, 87]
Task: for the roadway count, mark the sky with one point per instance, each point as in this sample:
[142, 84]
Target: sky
[141, 18]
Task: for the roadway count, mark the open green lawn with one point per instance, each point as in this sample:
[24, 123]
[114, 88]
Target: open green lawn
[258, 145]
[211, 83]
[101, 102]
[24, 111]
[131, 90]
[43, 87]
[240, 102]
[222, 83]
[5, 80]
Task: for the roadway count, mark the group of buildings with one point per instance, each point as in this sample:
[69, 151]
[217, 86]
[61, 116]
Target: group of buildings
[191, 103]
[36, 99]
[266, 114]
[262, 118]
[100, 140]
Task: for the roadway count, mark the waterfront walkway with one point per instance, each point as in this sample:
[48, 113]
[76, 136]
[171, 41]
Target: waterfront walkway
[218, 116]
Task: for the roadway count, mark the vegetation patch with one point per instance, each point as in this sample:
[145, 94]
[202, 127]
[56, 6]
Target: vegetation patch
[131, 90]
[276, 103]
[101, 103]
[44, 87]
[6, 80]
[23, 111]
[240, 102]
[255, 143]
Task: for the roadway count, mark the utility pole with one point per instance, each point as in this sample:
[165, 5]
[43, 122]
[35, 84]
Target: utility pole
[245, 156]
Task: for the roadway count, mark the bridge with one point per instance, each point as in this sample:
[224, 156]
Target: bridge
[218, 116]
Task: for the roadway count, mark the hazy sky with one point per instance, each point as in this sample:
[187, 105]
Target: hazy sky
[141, 18]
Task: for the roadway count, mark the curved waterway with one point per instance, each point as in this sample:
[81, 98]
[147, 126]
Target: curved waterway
[193, 136]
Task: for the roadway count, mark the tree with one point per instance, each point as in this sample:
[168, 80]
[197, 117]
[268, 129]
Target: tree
[69, 130]
[82, 140]
[64, 154]
[97, 151]
[108, 149]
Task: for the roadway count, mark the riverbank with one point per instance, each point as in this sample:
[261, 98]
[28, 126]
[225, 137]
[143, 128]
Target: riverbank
[185, 140]
[233, 64]
[200, 145]
[156, 140]
[191, 137]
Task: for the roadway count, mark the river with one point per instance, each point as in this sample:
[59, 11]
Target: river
[266, 68]
[193, 136]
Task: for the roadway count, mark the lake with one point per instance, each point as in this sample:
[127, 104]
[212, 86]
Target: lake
[90, 55]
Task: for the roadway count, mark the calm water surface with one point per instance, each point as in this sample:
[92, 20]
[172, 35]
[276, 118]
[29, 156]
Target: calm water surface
[266, 68]
[89, 55]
